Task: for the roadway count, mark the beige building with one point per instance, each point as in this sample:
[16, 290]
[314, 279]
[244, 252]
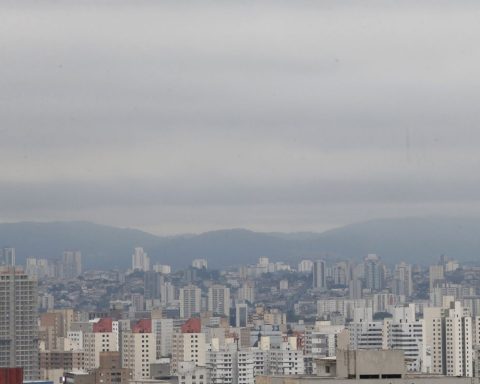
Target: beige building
[188, 347]
[110, 371]
[96, 342]
[139, 350]
[436, 276]
[54, 363]
[54, 327]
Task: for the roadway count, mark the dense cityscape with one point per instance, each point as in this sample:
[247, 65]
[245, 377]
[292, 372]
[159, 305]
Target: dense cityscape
[266, 323]
[239, 192]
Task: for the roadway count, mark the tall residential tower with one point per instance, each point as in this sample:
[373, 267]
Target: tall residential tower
[18, 322]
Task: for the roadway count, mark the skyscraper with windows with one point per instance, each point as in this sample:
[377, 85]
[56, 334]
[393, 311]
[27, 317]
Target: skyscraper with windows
[402, 283]
[7, 256]
[71, 264]
[140, 260]
[319, 275]
[219, 300]
[18, 322]
[374, 273]
[190, 301]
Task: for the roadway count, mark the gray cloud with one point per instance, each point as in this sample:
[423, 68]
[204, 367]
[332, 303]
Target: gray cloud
[137, 113]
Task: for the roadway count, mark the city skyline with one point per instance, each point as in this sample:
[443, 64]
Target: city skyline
[239, 192]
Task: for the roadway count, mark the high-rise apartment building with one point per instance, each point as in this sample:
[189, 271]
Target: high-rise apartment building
[200, 264]
[140, 260]
[38, 268]
[153, 282]
[305, 266]
[405, 333]
[18, 322]
[219, 300]
[139, 349]
[241, 315]
[402, 283]
[71, 264]
[449, 340]
[355, 290]
[188, 346]
[103, 338]
[190, 301]
[341, 273]
[247, 292]
[374, 273]
[163, 329]
[436, 276]
[7, 256]
[319, 275]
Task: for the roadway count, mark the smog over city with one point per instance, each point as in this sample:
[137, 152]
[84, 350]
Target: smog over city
[239, 192]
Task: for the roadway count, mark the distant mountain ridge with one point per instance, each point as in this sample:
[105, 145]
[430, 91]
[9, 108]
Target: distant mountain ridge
[415, 240]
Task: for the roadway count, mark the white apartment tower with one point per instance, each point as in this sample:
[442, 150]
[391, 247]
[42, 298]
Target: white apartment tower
[287, 360]
[458, 341]
[323, 339]
[7, 257]
[449, 340]
[305, 266]
[140, 260]
[405, 333]
[228, 365]
[247, 292]
[163, 329]
[200, 264]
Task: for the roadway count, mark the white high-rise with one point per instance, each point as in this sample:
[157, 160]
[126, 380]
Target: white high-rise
[286, 360]
[405, 333]
[200, 264]
[228, 365]
[247, 292]
[448, 340]
[140, 260]
[305, 266]
[323, 339]
[7, 257]
[163, 329]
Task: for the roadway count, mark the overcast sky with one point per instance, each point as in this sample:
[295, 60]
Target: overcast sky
[182, 116]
